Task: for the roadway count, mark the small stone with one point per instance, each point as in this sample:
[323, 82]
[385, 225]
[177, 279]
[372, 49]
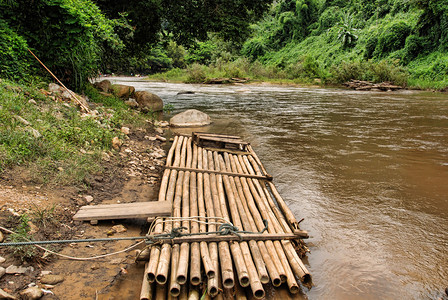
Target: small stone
[125, 130]
[51, 279]
[161, 138]
[119, 228]
[43, 273]
[2, 260]
[48, 286]
[131, 102]
[2, 272]
[94, 267]
[18, 270]
[116, 143]
[129, 151]
[2, 237]
[32, 293]
[159, 130]
[164, 124]
[5, 295]
[32, 101]
[105, 156]
[88, 198]
[150, 138]
[60, 169]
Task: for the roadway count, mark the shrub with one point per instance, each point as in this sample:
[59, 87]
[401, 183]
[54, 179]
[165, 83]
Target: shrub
[254, 48]
[196, 73]
[392, 38]
[14, 57]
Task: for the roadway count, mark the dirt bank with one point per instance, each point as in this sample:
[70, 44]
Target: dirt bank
[130, 175]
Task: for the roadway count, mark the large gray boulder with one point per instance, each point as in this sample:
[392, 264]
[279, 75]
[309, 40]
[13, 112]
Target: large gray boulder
[148, 101]
[190, 118]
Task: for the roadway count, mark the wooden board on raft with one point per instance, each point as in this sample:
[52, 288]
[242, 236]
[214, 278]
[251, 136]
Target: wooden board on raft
[123, 211]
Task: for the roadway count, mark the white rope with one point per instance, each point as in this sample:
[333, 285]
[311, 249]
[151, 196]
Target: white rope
[72, 257]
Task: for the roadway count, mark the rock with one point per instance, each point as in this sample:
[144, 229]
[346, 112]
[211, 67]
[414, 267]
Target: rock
[125, 130]
[159, 130]
[131, 102]
[32, 293]
[5, 295]
[54, 88]
[2, 238]
[190, 118]
[18, 270]
[2, 260]
[116, 143]
[105, 156]
[2, 272]
[88, 198]
[150, 138]
[119, 228]
[185, 93]
[51, 279]
[45, 273]
[122, 91]
[103, 86]
[148, 101]
[32, 101]
[161, 138]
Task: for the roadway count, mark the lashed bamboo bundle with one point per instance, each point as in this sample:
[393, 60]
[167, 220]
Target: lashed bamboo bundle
[209, 188]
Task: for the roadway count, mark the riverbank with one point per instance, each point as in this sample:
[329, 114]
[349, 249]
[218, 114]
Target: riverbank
[55, 159]
[247, 73]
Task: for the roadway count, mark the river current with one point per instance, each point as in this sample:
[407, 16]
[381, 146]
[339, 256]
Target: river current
[368, 172]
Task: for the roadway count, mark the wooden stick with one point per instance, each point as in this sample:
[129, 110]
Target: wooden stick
[261, 177]
[147, 288]
[151, 267]
[54, 76]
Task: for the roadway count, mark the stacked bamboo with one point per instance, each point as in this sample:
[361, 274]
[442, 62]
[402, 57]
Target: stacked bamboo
[211, 184]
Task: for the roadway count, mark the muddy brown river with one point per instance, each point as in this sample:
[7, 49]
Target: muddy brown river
[368, 171]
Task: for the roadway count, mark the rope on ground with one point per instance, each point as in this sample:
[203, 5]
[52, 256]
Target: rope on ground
[72, 257]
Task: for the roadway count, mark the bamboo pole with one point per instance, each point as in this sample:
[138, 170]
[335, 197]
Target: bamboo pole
[212, 284]
[220, 208]
[195, 266]
[205, 254]
[295, 262]
[147, 288]
[54, 76]
[174, 285]
[183, 292]
[267, 249]
[151, 267]
[248, 221]
[193, 293]
[165, 254]
[160, 292]
[184, 257]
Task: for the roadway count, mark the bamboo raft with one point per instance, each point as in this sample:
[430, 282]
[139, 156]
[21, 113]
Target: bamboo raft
[209, 187]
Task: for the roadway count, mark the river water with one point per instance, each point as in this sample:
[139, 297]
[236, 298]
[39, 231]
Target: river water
[368, 171]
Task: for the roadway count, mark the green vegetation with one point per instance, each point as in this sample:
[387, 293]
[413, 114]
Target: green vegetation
[56, 142]
[22, 234]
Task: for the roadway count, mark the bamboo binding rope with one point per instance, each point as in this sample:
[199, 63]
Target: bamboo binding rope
[209, 188]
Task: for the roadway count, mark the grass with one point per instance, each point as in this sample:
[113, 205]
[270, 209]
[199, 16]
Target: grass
[70, 144]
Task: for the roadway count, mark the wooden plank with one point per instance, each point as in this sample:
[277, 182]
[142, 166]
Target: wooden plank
[230, 237]
[217, 135]
[261, 177]
[124, 211]
[223, 140]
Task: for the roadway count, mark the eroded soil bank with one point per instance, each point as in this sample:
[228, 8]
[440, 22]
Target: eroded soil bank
[130, 174]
